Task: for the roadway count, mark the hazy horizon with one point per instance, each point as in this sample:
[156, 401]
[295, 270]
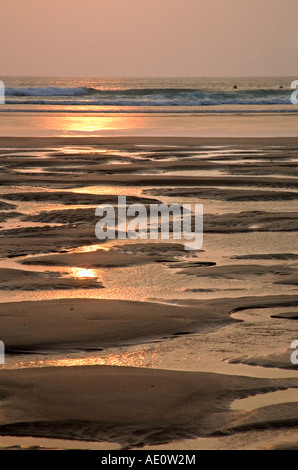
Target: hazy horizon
[153, 38]
[61, 77]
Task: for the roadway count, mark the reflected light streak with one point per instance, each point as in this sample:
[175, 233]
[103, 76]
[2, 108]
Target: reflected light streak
[139, 358]
[93, 125]
[90, 249]
[109, 190]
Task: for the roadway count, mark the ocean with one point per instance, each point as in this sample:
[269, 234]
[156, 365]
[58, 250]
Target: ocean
[150, 95]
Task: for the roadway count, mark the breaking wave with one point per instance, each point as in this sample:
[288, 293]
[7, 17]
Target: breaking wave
[86, 96]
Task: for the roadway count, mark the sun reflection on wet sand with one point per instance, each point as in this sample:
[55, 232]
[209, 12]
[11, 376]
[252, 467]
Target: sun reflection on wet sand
[144, 357]
[90, 249]
[83, 273]
[109, 190]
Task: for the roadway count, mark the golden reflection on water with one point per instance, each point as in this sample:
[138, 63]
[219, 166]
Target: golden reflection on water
[93, 125]
[139, 358]
[109, 190]
[90, 249]
[74, 149]
[83, 273]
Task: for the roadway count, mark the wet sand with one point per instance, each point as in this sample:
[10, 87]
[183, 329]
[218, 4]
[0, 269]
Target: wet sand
[131, 406]
[96, 324]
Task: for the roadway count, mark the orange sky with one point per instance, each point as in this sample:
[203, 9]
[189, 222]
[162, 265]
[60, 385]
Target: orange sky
[149, 37]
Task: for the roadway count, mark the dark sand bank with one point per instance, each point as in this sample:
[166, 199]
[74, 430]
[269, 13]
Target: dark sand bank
[158, 155]
[48, 239]
[269, 256]
[100, 258]
[70, 198]
[275, 274]
[148, 180]
[131, 406]
[287, 446]
[78, 229]
[287, 315]
[87, 324]
[4, 206]
[231, 195]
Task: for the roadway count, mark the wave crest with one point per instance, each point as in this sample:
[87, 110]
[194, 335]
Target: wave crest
[47, 91]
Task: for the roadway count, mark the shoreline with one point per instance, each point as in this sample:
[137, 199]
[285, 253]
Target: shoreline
[152, 141]
[149, 126]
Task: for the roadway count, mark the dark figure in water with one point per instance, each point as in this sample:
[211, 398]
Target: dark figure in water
[235, 87]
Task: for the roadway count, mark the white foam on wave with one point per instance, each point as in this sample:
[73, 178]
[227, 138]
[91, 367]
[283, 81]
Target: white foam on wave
[45, 91]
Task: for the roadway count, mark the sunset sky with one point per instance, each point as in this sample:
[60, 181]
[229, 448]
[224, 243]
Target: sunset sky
[149, 38]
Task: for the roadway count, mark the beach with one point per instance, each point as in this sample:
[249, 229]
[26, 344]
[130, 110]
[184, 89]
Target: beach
[140, 343]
